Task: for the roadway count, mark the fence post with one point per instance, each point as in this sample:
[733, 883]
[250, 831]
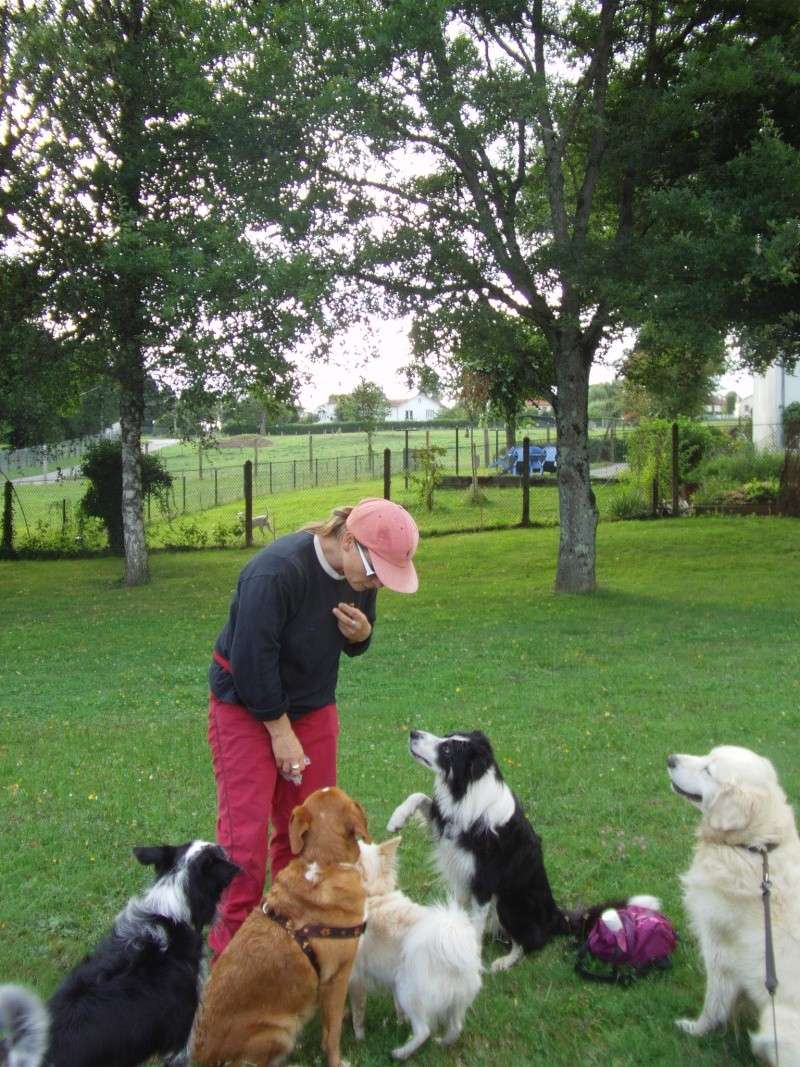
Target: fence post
[310, 453]
[316, 472]
[248, 503]
[675, 470]
[270, 477]
[387, 474]
[294, 474]
[526, 481]
[654, 502]
[405, 460]
[216, 487]
[456, 451]
[7, 545]
[64, 512]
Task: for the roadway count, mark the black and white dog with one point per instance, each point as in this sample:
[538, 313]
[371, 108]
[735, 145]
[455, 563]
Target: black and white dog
[485, 847]
[136, 995]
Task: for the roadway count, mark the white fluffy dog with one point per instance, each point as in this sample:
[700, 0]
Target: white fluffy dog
[743, 813]
[429, 956]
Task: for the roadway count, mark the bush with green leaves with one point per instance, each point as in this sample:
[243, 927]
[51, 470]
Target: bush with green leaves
[102, 466]
[429, 473]
[185, 533]
[79, 537]
[743, 463]
[650, 450]
[629, 501]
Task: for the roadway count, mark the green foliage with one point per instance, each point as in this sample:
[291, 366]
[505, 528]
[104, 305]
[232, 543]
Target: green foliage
[629, 501]
[366, 404]
[189, 534]
[606, 400]
[665, 376]
[791, 424]
[102, 466]
[650, 451]
[227, 534]
[428, 473]
[737, 464]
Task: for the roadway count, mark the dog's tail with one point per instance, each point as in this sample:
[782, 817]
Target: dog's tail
[24, 1027]
[579, 921]
[445, 938]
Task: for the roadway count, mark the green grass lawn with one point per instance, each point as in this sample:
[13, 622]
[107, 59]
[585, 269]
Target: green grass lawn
[690, 641]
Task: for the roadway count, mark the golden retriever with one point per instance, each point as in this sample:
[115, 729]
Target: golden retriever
[743, 811]
[265, 986]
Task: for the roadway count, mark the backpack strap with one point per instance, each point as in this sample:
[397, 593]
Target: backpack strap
[615, 977]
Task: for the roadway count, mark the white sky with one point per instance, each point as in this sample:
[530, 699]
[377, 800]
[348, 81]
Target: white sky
[355, 357]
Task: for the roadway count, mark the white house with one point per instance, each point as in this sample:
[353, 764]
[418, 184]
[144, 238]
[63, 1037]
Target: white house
[421, 408]
[772, 392]
[326, 412]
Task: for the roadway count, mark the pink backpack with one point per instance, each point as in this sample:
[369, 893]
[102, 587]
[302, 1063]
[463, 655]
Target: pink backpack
[637, 941]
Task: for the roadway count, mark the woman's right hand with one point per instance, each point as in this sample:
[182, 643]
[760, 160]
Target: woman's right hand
[290, 758]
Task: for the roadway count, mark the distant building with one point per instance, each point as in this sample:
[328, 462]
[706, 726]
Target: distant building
[326, 412]
[421, 408]
[772, 393]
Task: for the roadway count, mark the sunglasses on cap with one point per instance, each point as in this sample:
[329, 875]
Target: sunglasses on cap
[369, 570]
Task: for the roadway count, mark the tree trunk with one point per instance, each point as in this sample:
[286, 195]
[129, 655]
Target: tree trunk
[578, 510]
[131, 414]
[511, 432]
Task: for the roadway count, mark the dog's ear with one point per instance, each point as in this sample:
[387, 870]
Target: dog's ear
[219, 868]
[358, 823]
[388, 849]
[731, 809]
[162, 857]
[299, 825]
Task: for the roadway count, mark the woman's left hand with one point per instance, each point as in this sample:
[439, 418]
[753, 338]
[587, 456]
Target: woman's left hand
[352, 622]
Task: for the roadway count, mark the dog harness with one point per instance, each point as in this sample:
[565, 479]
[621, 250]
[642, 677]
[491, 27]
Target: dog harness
[303, 934]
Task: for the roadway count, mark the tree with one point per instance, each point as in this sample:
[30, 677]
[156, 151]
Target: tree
[366, 404]
[544, 134]
[606, 400]
[665, 378]
[150, 167]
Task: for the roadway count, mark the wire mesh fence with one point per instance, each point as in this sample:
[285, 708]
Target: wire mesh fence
[321, 472]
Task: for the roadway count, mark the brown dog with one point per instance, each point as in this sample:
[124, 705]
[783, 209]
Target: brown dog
[294, 953]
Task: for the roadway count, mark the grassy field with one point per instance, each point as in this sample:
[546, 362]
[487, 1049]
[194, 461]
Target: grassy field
[291, 508]
[690, 641]
[288, 464]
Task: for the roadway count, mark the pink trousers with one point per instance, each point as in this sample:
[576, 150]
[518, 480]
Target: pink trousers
[251, 795]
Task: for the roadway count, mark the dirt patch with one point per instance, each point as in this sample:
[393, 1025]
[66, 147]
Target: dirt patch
[245, 440]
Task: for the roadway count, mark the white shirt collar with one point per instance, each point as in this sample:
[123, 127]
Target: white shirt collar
[324, 563]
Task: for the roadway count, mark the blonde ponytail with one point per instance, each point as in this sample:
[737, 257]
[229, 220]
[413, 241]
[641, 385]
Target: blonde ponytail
[333, 525]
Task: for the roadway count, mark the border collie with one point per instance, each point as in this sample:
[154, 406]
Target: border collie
[485, 847]
[136, 995]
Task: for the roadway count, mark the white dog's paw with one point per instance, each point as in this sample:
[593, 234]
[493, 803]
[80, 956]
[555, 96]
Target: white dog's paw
[403, 812]
[695, 1027]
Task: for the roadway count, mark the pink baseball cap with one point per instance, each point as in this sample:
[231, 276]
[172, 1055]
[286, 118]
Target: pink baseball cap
[391, 536]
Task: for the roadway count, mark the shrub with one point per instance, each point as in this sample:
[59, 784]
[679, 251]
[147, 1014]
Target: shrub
[225, 535]
[629, 502]
[742, 464]
[102, 465]
[185, 534]
[429, 476]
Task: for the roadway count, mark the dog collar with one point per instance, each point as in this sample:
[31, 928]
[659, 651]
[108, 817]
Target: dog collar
[303, 934]
[759, 850]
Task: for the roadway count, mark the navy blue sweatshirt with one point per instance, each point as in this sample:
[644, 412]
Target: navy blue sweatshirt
[281, 638]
